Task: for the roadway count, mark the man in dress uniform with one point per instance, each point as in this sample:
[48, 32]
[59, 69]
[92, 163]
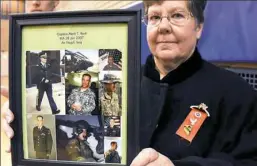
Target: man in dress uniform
[44, 83]
[109, 100]
[42, 139]
[112, 129]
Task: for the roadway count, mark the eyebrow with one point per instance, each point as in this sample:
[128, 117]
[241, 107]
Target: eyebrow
[158, 10]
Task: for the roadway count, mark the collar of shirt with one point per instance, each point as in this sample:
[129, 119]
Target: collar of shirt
[107, 96]
[185, 70]
[43, 64]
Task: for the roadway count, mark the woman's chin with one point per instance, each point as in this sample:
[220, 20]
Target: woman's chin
[167, 55]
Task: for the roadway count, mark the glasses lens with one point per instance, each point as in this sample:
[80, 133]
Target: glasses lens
[179, 18]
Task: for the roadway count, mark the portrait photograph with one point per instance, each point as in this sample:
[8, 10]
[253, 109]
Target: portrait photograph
[80, 138]
[110, 93]
[112, 150]
[112, 126]
[45, 86]
[110, 60]
[41, 136]
[81, 93]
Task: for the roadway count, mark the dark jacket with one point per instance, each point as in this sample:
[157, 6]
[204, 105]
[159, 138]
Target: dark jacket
[79, 151]
[42, 140]
[112, 157]
[43, 73]
[113, 132]
[226, 138]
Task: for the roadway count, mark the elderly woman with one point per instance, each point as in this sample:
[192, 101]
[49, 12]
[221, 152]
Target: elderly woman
[193, 113]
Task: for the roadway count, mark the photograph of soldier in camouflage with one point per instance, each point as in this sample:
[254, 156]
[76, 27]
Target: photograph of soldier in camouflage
[80, 138]
[110, 93]
[112, 126]
[83, 100]
[81, 82]
[44, 76]
[110, 60]
[41, 137]
[112, 148]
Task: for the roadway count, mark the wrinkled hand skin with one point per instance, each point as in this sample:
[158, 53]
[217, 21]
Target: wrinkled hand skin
[150, 157]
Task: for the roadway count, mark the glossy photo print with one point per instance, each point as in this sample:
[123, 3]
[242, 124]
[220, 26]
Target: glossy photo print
[45, 86]
[80, 138]
[112, 126]
[110, 93]
[41, 137]
[112, 150]
[110, 60]
[81, 82]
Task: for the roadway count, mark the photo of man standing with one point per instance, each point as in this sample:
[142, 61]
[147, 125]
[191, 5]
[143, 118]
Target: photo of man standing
[42, 139]
[44, 83]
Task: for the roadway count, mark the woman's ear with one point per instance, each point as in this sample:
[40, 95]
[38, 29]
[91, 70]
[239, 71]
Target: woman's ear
[199, 30]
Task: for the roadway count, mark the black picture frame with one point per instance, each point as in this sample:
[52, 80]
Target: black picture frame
[17, 21]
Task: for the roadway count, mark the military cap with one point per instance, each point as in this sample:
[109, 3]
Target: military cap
[110, 78]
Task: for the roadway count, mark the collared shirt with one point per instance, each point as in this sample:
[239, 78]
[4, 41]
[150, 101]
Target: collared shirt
[110, 105]
[85, 98]
[111, 67]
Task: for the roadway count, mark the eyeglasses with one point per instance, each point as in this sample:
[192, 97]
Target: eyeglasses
[179, 18]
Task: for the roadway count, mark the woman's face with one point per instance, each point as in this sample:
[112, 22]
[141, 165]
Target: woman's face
[172, 42]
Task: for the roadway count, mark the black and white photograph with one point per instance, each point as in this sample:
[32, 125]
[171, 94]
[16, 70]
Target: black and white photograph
[45, 86]
[80, 138]
[41, 137]
[110, 93]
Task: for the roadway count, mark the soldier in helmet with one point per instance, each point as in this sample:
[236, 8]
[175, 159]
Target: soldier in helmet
[109, 101]
[78, 148]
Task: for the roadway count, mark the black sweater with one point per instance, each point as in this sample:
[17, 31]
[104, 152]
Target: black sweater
[227, 137]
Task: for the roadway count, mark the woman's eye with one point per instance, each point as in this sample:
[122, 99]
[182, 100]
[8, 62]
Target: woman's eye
[178, 15]
[155, 17]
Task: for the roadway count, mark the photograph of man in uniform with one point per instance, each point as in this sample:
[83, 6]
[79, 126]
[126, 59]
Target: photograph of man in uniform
[111, 65]
[112, 155]
[44, 83]
[78, 147]
[42, 139]
[110, 105]
[112, 126]
[82, 100]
